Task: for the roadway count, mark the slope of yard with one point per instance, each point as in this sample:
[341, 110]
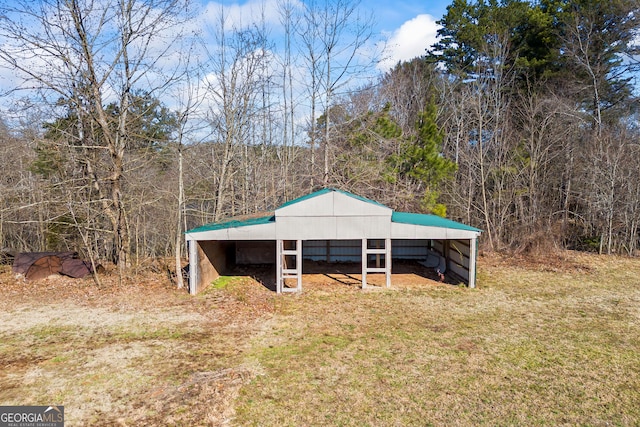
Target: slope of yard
[547, 342]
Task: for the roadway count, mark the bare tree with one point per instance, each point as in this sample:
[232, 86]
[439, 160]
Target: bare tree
[93, 55]
[334, 33]
[544, 126]
[482, 140]
[289, 21]
[189, 105]
[234, 95]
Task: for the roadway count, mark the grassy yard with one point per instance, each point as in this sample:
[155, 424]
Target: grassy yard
[540, 342]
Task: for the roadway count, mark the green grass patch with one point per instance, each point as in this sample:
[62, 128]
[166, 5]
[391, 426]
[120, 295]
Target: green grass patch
[223, 282]
[531, 348]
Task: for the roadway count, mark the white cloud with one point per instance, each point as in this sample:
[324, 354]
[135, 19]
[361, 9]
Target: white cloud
[243, 15]
[409, 41]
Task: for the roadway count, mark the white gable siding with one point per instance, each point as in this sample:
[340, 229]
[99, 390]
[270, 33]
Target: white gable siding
[333, 215]
[344, 205]
[333, 203]
[321, 205]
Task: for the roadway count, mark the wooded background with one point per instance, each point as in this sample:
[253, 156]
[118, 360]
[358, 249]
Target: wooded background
[124, 126]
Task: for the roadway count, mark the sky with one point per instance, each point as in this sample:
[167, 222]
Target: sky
[406, 28]
[402, 29]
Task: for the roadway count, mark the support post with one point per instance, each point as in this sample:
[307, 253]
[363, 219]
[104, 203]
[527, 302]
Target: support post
[279, 266]
[377, 251]
[473, 255]
[364, 263]
[387, 261]
[446, 250]
[299, 264]
[194, 265]
[284, 271]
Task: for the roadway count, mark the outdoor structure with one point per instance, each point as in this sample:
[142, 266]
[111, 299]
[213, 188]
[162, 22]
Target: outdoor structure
[331, 226]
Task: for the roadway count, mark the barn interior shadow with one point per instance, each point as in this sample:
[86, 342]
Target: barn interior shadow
[347, 274]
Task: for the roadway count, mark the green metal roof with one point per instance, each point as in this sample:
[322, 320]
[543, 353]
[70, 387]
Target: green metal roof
[398, 217]
[429, 220]
[234, 223]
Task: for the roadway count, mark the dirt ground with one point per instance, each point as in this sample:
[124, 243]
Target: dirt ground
[406, 274]
[128, 353]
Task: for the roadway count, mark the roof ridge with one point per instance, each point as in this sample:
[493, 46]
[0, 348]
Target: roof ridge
[326, 190]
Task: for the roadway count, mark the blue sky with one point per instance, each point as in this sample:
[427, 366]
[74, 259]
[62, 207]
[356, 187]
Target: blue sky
[391, 15]
[406, 27]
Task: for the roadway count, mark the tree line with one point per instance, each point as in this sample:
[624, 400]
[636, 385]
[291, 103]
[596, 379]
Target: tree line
[126, 126]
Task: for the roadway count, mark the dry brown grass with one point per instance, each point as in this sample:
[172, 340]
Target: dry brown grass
[136, 353]
[542, 341]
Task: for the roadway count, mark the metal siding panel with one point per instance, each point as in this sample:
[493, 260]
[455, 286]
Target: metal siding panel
[344, 205]
[460, 259]
[317, 228]
[253, 232]
[334, 204]
[409, 249]
[208, 235]
[462, 272]
[357, 227]
[460, 246]
[321, 205]
[433, 233]
[472, 278]
[409, 243]
[193, 267]
[403, 231]
[249, 232]
[461, 234]
[345, 250]
[339, 250]
[315, 250]
[412, 231]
